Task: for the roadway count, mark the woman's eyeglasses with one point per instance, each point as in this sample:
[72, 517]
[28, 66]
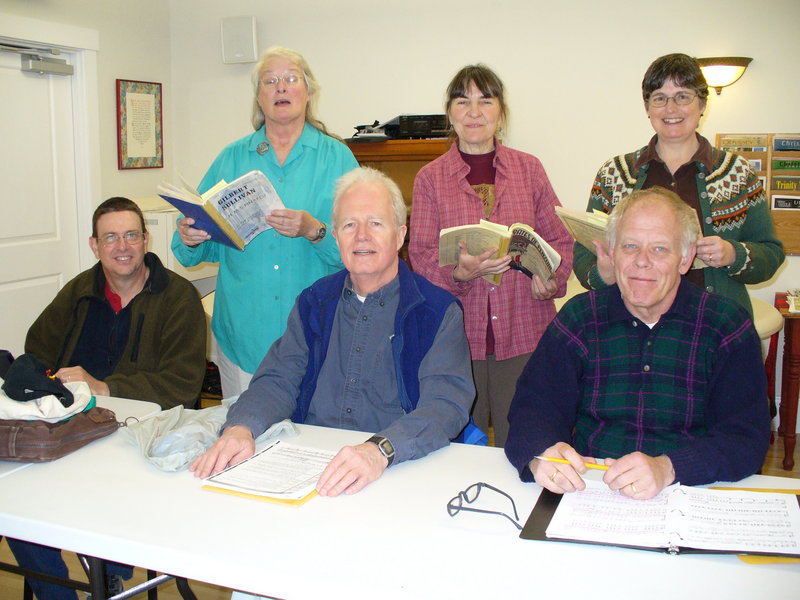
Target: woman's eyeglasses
[681, 99]
[289, 79]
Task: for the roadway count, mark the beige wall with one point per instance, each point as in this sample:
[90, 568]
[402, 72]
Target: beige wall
[573, 70]
[135, 45]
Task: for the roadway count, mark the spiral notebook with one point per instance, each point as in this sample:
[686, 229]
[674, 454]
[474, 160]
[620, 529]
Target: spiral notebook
[680, 519]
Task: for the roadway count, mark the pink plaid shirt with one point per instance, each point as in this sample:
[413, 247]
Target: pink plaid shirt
[443, 198]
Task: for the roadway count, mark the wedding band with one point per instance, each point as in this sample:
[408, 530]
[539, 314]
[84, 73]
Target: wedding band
[633, 487]
[553, 476]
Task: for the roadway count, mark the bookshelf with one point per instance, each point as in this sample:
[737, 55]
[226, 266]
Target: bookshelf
[775, 157]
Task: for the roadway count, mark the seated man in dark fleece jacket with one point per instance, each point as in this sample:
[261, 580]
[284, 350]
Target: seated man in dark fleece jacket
[128, 327]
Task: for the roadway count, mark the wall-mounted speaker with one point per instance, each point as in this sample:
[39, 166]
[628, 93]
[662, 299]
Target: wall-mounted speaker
[238, 36]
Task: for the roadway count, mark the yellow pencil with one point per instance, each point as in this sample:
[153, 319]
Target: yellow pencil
[564, 461]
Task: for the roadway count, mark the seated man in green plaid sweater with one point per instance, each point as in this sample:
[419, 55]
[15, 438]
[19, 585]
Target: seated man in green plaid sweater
[653, 374]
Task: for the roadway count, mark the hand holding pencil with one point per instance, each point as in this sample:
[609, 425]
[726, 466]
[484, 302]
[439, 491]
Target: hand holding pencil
[559, 468]
[636, 475]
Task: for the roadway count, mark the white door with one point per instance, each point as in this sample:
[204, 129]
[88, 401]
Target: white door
[38, 207]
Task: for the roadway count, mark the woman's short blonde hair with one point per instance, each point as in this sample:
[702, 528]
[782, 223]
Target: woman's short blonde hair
[312, 86]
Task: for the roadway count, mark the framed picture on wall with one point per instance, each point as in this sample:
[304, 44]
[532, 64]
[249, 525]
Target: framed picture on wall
[139, 125]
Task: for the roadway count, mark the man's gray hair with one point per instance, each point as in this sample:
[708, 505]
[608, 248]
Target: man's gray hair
[370, 175]
[685, 215]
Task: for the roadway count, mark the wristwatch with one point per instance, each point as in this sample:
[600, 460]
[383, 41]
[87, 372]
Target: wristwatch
[320, 234]
[385, 446]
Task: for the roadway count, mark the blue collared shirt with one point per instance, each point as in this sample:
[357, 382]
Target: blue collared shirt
[357, 388]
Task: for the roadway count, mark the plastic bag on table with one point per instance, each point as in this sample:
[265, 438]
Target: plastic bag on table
[172, 439]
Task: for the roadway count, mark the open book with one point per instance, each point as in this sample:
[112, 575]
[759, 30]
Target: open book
[530, 253]
[232, 213]
[280, 473]
[679, 519]
[584, 227]
[591, 226]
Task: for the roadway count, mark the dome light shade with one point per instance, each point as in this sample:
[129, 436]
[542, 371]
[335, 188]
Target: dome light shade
[721, 71]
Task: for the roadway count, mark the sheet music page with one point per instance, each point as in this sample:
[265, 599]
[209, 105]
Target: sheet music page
[599, 514]
[280, 470]
[681, 517]
[739, 521]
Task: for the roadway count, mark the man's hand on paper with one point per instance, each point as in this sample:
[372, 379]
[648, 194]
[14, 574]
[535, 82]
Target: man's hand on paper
[352, 469]
[558, 477]
[235, 445]
[469, 267]
[638, 475]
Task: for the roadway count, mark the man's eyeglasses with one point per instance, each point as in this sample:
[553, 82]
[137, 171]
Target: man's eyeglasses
[681, 99]
[471, 494]
[130, 237]
[289, 79]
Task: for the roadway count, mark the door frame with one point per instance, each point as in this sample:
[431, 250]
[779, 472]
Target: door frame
[84, 45]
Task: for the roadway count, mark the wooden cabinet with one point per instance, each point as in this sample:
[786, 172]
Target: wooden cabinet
[399, 159]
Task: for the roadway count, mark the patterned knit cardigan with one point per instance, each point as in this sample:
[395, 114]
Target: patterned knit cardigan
[734, 207]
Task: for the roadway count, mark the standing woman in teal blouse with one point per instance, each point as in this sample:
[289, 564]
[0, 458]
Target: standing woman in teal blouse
[256, 288]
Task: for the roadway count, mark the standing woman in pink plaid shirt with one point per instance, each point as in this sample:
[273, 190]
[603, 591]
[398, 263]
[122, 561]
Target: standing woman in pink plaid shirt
[479, 178]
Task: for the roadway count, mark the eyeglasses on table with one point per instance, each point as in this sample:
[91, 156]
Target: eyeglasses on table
[470, 495]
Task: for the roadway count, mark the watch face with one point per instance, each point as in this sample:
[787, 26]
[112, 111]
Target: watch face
[386, 447]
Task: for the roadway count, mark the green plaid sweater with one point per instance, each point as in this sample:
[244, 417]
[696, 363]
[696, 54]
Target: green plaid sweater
[693, 387]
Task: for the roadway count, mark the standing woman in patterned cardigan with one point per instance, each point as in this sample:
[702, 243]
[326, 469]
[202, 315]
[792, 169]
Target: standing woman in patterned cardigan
[738, 245]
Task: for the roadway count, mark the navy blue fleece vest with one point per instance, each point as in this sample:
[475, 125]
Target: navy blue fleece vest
[420, 312]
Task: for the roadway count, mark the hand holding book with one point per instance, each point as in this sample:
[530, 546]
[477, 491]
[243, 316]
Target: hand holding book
[190, 234]
[526, 250]
[231, 213]
[486, 264]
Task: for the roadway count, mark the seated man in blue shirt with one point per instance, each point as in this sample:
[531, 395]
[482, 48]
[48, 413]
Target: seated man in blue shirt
[389, 352]
[661, 378]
